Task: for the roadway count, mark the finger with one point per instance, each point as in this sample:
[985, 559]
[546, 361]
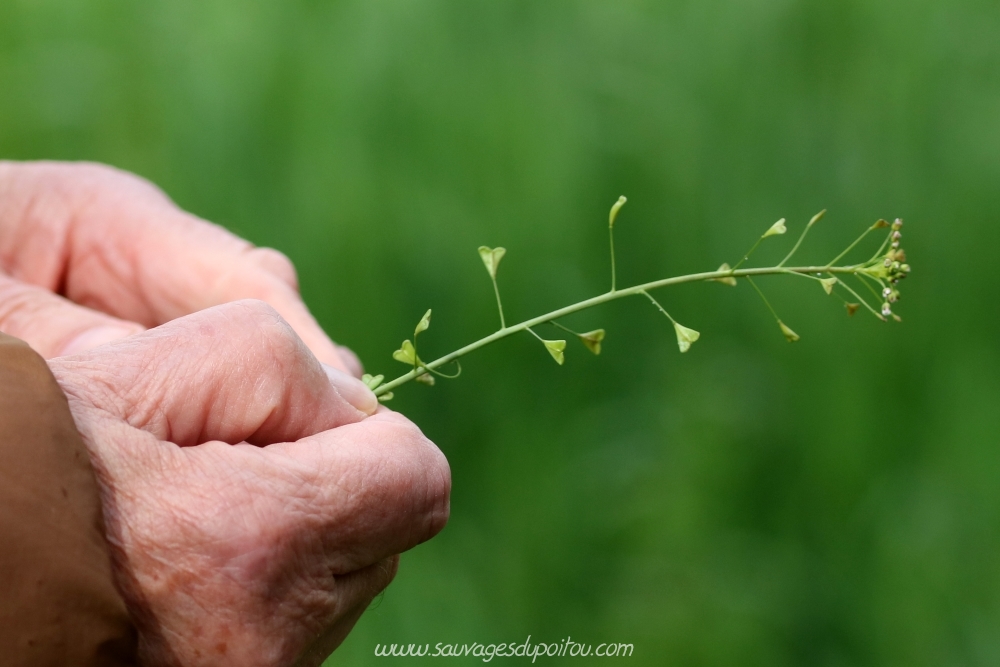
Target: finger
[351, 361]
[52, 325]
[234, 373]
[115, 243]
[371, 489]
[356, 592]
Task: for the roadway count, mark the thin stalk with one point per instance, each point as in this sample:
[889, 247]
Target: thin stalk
[611, 239]
[852, 246]
[496, 290]
[565, 328]
[860, 276]
[657, 304]
[605, 298]
[749, 252]
[861, 299]
[764, 299]
[881, 247]
[532, 332]
[802, 237]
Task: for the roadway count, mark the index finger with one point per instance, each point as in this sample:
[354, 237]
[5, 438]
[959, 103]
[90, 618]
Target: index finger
[114, 242]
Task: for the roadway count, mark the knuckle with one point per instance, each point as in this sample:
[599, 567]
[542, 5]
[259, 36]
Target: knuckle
[429, 476]
[269, 335]
[108, 179]
[276, 263]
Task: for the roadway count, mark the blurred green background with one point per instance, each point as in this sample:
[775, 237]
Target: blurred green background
[835, 502]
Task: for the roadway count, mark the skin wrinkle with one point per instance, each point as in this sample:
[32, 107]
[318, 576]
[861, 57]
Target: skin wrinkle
[266, 549]
[22, 225]
[179, 518]
[87, 266]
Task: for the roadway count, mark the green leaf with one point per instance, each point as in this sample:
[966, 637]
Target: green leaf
[685, 336]
[776, 228]
[592, 339]
[406, 354]
[424, 323]
[614, 210]
[727, 280]
[491, 259]
[828, 284]
[790, 335]
[386, 397]
[555, 348]
[372, 381]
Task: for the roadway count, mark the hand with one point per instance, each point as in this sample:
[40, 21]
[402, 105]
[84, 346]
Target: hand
[252, 506]
[124, 258]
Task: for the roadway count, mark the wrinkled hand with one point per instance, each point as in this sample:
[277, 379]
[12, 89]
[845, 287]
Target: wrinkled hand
[252, 506]
[97, 254]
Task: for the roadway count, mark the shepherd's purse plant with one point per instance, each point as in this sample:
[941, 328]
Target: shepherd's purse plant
[880, 275]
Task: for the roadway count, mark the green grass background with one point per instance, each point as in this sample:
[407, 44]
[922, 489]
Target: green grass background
[835, 502]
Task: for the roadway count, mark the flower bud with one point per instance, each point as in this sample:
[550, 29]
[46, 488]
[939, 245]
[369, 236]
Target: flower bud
[423, 324]
[617, 206]
[886, 310]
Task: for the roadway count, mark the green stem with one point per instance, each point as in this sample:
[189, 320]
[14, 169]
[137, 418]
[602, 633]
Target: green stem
[565, 328]
[881, 247]
[860, 298]
[764, 299]
[657, 304]
[851, 247]
[496, 290]
[802, 237]
[749, 252]
[605, 298]
[611, 239]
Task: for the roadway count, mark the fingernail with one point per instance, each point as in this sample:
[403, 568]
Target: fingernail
[352, 390]
[95, 337]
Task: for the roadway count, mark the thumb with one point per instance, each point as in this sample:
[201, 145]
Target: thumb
[235, 373]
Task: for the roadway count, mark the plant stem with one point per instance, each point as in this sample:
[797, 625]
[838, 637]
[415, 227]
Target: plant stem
[605, 298]
[611, 239]
[658, 306]
[764, 299]
[496, 290]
